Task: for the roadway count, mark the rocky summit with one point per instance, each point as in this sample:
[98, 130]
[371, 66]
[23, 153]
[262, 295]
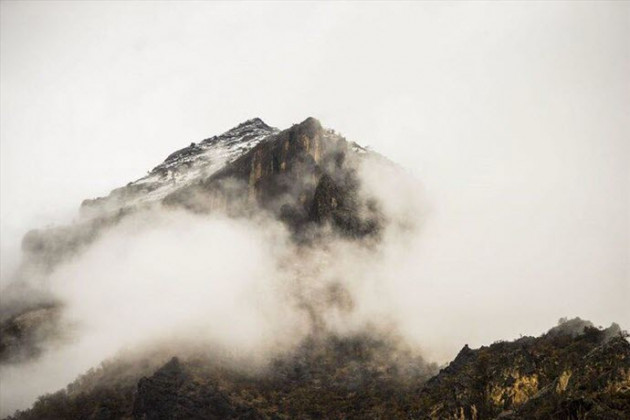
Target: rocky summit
[307, 179]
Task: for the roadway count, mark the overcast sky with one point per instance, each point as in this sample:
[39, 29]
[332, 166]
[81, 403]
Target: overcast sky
[515, 116]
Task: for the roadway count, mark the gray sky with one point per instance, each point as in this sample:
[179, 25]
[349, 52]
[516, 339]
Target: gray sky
[515, 116]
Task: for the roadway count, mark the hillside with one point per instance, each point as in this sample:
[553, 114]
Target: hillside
[561, 375]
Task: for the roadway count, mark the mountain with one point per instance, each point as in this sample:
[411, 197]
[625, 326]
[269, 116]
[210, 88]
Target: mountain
[562, 374]
[304, 176]
[311, 181]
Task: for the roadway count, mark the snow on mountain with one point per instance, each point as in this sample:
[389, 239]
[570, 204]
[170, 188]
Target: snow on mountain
[185, 166]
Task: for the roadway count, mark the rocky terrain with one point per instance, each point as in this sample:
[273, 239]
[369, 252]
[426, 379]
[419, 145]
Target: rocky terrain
[307, 179]
[574, 371]
[559, 375]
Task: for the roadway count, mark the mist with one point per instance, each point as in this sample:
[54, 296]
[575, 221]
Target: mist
[240, 286]
[511, 122]
[241, 289]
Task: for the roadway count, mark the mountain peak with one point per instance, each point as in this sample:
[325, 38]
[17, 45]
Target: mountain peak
[253, 122]
[312, 123]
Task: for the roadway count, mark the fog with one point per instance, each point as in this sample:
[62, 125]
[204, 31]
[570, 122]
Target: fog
[513, 117]
[165, 278]
[162, 276]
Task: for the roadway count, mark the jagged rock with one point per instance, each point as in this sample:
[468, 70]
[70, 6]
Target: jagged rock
[574, 371]
[302, 175]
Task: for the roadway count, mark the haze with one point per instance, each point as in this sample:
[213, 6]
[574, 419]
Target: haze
[516, 118]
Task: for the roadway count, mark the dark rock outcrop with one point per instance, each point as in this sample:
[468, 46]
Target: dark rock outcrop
[563, 374]
[304, 175]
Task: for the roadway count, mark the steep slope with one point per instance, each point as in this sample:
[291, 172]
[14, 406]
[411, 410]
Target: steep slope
[302, 175]
[183, 167]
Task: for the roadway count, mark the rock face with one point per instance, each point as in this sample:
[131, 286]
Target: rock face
[563, 376]
[574, 371]
[304, 175]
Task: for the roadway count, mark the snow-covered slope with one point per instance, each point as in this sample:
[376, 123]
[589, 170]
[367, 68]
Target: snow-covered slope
[183, 167]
